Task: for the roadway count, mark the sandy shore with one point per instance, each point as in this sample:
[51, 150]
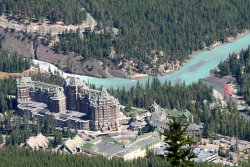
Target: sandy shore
[138, 75]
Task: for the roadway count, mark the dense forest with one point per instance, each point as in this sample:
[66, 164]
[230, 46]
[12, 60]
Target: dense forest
[168, 95]
[144, 27]
[66, 10]
[197, 98]
[12, 62]
[90, 45]
[15, 157]
[19, 129]
[229, 123]
[173, 26]
[52, 78]
[238, 66]
[7, 87]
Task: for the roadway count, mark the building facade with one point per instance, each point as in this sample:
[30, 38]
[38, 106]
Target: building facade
[52, 95]
[100, 108]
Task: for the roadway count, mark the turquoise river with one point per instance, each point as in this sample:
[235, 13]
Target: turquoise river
[198, 67]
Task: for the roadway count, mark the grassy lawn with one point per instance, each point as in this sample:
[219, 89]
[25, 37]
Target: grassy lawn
[134, 110]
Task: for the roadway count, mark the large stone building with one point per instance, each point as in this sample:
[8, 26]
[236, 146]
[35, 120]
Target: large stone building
[52, 95]
[99, 108]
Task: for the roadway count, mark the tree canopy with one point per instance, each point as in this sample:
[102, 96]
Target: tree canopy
[179, 149]
[15, 157]
[174, 26]
[66, 10]
[238, 66]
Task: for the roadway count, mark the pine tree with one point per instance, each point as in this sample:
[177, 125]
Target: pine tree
[179, 151]
[1, 138]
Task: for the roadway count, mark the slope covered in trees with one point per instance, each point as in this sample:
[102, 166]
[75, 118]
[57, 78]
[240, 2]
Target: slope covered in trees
[152, 35]
[173, 26]
[91, 45]
[15, 157]
[238, 66]
[67, 10]
[12, 62]
[7, 87]
[167, 95]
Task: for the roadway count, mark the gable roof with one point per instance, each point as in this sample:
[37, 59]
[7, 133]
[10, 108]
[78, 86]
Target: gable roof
[36, 142]
[72, 144]
[176, 113]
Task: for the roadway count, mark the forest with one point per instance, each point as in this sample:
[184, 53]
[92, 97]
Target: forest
[16, 157]
[7, 87]
[175, 27]
[52, 78]
[68, 11]
[168, 95]
[12, 62]
[238, 66]
[196, 98]
[19, 129]
[90, 45]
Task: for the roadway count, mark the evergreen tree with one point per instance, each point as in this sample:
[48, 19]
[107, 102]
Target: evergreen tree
[1, 138]
[57, 139]
[179, 152]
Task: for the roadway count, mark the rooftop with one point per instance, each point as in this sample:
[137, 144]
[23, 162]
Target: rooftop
[176, 113]
[110, 147]
[204, 155]
[73, 144]
[32, 105]
[37, 142]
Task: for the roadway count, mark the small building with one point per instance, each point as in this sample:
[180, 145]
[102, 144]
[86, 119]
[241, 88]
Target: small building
[184, 116]
[37, 142]
[158, 117]
[137, 125]
[194, 130]
[74, 145]
[109, 147]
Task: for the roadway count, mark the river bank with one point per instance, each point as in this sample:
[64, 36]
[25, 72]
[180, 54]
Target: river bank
[72, 63]
[196, 68]
[213, 46]
[218, 43]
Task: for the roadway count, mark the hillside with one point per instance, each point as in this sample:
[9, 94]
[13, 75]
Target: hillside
[150, 37]
[66, 10]
[175, 27]
[154, 36]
